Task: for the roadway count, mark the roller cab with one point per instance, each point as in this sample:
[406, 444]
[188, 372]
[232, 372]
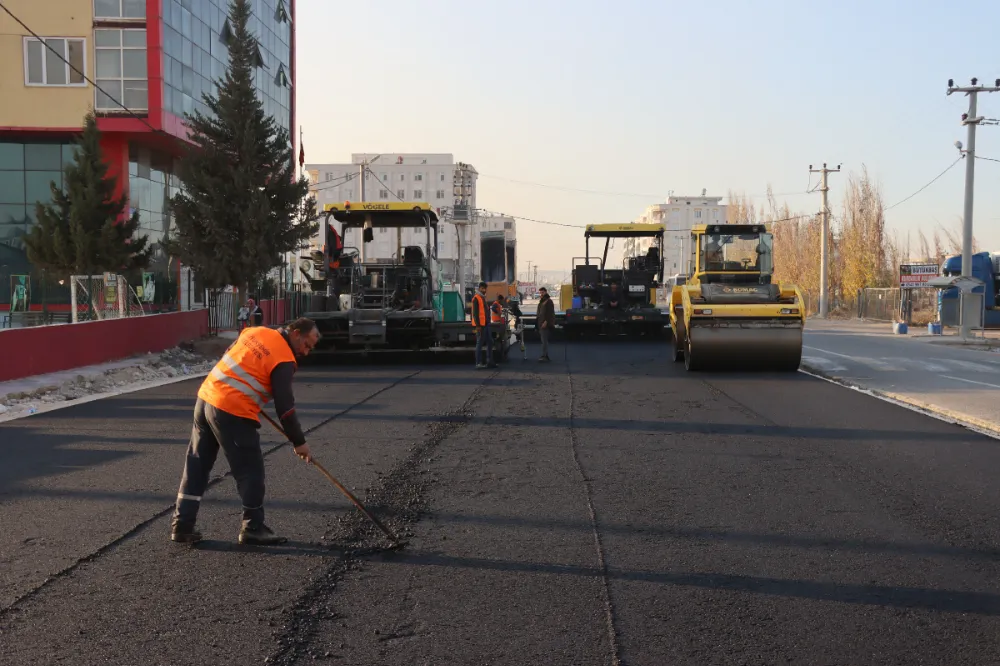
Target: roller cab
[729, 315]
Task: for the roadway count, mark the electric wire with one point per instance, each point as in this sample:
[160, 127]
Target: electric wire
[927, 185]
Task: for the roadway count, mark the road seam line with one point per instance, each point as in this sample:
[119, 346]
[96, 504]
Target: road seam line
[598, 545]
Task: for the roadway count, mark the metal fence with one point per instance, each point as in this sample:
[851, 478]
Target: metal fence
[913, 306]
[278, 305]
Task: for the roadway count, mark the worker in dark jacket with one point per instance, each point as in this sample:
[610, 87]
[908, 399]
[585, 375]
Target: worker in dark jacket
[257, 367]
[546, 318]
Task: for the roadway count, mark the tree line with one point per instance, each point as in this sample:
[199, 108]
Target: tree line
[862, 252]
[240, 208]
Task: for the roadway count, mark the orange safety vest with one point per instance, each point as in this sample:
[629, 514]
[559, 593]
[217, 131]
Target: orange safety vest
[496, 312]
[240, 383]
[478, 307]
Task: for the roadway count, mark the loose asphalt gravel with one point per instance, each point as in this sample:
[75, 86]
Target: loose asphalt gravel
[606, 508]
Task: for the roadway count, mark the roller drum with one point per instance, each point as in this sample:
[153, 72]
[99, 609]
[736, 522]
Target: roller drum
[733, 346]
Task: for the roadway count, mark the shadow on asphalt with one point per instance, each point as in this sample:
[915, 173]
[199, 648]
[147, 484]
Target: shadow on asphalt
[226, 497]
[299, 548]
[950, 601]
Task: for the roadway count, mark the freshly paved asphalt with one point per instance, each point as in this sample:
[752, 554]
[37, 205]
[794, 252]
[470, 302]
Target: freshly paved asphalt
[605, 508]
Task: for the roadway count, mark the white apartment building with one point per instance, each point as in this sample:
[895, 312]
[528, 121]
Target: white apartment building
[678, 215]
[434, 178]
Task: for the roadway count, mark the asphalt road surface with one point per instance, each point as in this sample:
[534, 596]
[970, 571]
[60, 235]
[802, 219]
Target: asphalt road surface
[962, 382]
[605, 508]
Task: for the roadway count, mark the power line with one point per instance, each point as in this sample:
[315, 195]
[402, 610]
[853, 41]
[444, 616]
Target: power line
[927, 185]
[384, 185]
[73, 67]
[616, 193]
[988, 159]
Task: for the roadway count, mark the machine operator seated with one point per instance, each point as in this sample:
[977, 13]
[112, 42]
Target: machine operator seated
[613, 298]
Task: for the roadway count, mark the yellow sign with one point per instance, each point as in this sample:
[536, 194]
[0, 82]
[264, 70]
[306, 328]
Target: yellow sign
[377, 205]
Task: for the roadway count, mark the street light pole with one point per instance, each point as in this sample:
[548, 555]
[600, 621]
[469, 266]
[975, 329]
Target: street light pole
[971, 121]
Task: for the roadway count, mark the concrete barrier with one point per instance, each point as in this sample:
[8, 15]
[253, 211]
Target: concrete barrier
[42, 349]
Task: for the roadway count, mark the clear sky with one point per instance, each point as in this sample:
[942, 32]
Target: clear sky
[644, 97]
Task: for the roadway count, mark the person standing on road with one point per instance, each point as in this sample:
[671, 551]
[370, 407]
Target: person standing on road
[481, 325]
[259, 365]
[546, 318]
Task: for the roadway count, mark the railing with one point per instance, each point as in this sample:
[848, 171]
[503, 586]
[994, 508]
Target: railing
[912, 306]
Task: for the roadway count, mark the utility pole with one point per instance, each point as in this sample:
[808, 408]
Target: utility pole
[970, 120]
[824, 267]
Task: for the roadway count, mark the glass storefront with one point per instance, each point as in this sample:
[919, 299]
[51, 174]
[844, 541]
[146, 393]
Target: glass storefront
[152, 181]
[27, 168]
[195, 54]
[26, 171]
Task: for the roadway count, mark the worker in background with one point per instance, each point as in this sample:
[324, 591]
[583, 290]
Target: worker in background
[546, 318]
[259, 365]
[615, 297]
[481, 325]
[496, 311]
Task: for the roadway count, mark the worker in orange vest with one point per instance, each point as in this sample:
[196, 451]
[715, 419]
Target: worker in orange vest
[481, 325]
[496, 310]
[257, 367]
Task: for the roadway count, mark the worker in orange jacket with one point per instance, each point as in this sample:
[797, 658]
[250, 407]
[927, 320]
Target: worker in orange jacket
[496, 311]
[481, 325]
[257, 367]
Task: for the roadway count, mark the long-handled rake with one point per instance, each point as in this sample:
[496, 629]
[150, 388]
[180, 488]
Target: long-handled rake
[340, 486]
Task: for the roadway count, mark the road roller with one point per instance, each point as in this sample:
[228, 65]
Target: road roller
[729, 315]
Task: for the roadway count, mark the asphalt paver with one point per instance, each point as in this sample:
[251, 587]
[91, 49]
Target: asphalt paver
[605, 508]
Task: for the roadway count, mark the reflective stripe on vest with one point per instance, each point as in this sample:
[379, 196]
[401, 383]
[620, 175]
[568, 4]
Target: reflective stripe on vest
[240, 383]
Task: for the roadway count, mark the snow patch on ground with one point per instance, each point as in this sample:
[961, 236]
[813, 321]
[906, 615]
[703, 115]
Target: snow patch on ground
[174, 363]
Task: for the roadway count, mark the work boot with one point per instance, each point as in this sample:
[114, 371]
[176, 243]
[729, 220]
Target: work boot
[184, 534]
[260, 536]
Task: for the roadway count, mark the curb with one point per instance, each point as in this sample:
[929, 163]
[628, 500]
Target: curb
[131, 388]
[979, 426]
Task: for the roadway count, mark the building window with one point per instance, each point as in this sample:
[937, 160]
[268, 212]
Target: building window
[401, 195]
[418, 194]
[121, 69]
[697, 213]
[42, 67]
[402, 177]
[419, 176]
[442, 178]
[715, 214]
[440, 194]
[383, 194]
[120, 9]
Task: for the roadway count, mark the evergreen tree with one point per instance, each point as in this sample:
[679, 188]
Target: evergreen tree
[240, 208]
[85, 229]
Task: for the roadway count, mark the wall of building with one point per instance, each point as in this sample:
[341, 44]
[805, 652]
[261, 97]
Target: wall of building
[680, 214]
[39, 105]
[45, 349]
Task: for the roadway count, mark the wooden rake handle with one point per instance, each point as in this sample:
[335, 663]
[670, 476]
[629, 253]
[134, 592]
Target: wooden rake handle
[347, 493]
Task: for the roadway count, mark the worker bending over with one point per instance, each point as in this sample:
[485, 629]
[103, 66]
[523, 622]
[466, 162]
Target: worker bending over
[257, 367]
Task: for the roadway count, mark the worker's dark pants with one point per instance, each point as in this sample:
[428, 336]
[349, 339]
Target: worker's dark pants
[484, 337]
[544, 334]
[240, 441]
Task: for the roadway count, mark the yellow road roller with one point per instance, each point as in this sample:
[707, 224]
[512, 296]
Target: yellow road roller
[729, 315]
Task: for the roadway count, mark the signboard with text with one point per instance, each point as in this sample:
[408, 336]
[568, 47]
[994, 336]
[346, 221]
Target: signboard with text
[917, 275]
